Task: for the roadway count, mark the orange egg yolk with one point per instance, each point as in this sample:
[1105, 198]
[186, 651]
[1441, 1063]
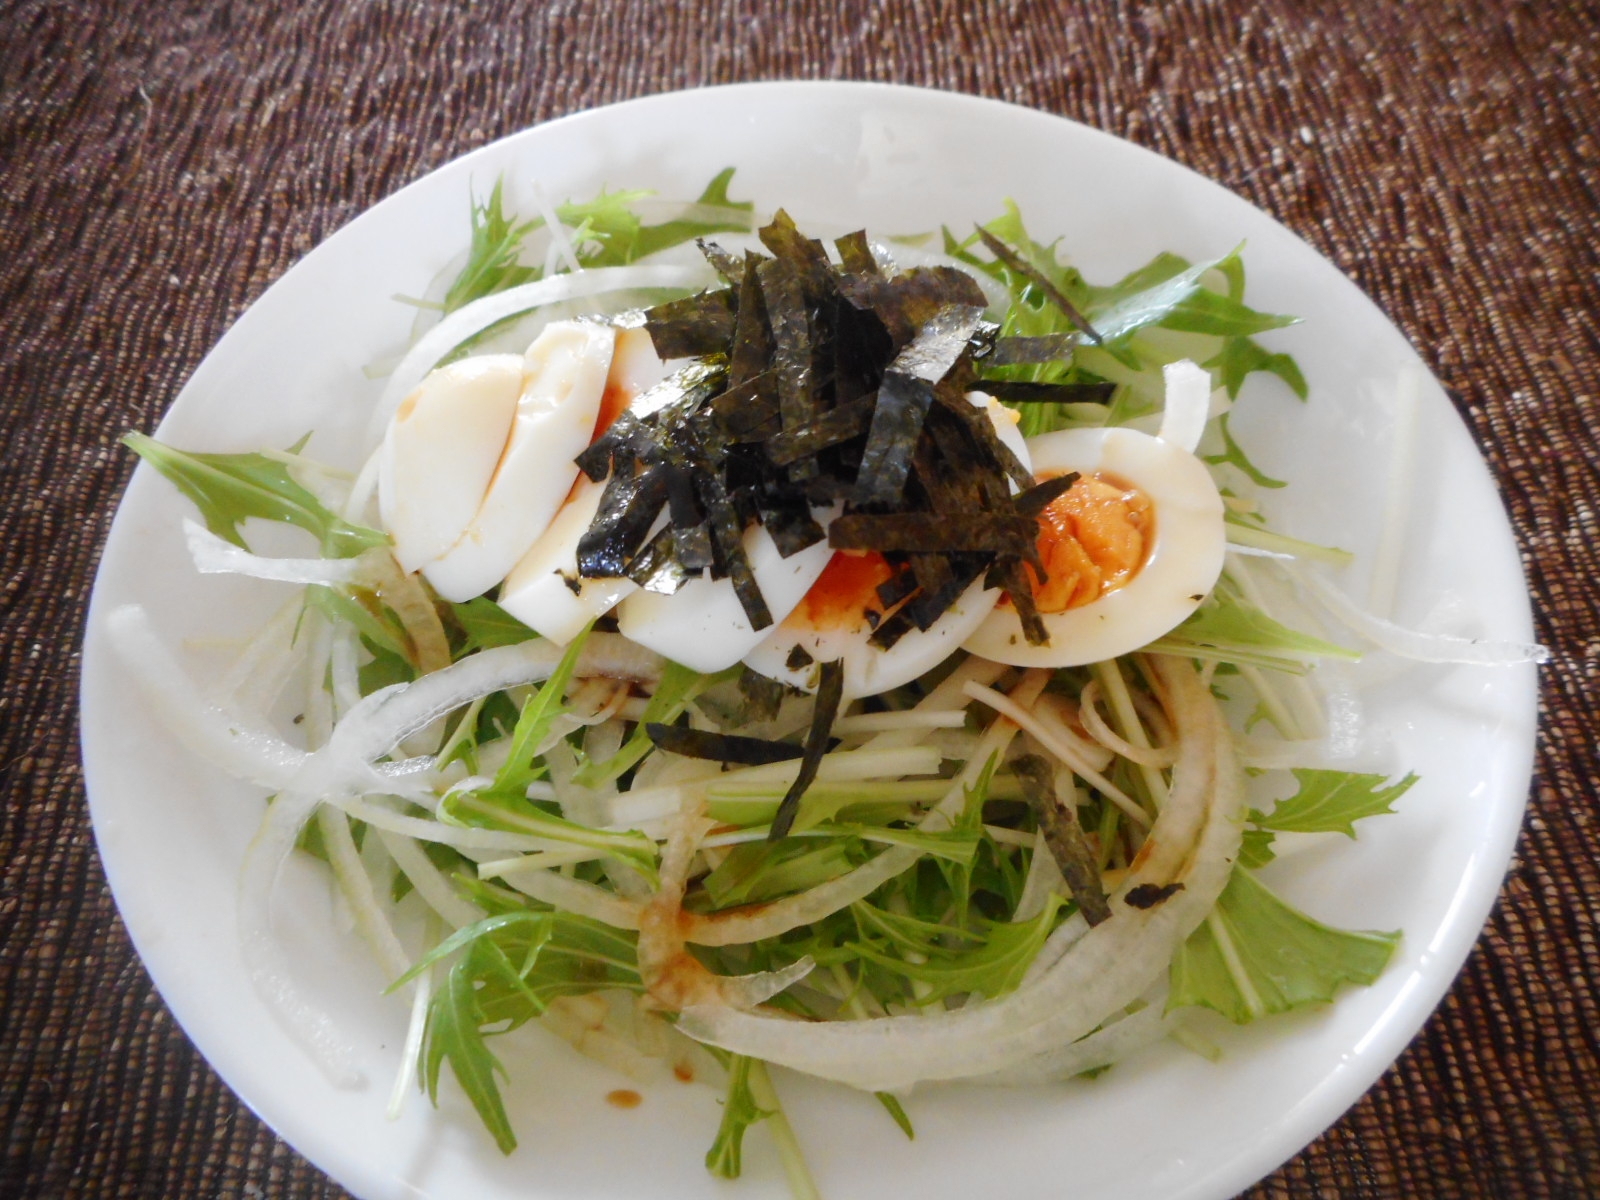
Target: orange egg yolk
[845, 592]
[1093, 538]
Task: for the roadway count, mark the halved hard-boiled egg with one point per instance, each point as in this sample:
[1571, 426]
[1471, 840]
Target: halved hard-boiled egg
[1130, 550]
[479, 458]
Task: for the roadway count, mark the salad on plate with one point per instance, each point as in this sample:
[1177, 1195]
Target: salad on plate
[871, 657]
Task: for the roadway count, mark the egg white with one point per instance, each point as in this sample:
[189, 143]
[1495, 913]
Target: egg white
[702, 625]
[564, 379]
[440, 452]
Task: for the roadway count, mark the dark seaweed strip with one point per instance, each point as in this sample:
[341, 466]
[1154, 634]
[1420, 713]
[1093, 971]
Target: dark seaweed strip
[1064, 836]
[1032, 351]
[954, 468]
[752, 339]
[893, 628]
[983, 433]
[619, 441]
[861, 347]
[830, 690]
[1041, 496]
[903, 403]
[1007, 573]
[908, 301]
[748, 412]
[657, 567]
[762, 696]
[786, 516]
[1017, 263]
[1148, 895]
[939, 343]
[727, 532]
[896, 588]
[933, 533]
[805, 255]
[691, 539]
[721, 747]
[628, 507]
[679, 393]
[798, 659]
[1015, 392]
[791, 336]
[932, 603]
[838, 425]
[855, 254]
[725, 263]
[931, 571]
[694, 326]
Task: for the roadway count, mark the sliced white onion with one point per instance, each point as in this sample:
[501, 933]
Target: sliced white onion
[1111, 1043]
[385, 718]
[213, 555]
[265, 960]
[1188, 404]
[219, 737]
[1410, 643]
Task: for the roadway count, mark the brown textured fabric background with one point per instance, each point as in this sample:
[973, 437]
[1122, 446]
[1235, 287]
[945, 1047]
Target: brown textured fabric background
[162, 164]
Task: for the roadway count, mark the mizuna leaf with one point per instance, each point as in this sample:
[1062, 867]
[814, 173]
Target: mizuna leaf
[1256, 954]
[1331, 802]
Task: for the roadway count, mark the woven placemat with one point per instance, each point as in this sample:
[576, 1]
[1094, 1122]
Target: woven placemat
[160, 165]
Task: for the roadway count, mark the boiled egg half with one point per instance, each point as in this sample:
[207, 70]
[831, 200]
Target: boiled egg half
[1130, 550]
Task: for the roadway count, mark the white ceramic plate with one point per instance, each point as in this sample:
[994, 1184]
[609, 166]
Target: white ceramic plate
[1167, 1124]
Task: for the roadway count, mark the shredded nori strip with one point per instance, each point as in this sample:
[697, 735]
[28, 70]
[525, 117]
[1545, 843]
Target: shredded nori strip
[657, 568]
[727, 534]
[855, 253]
[751, 350]
[694, 326]
[730, 266]
[721, 747]
[628, 508]
[1064, 836]
[1041, 496]
[1021, 266]
[803, 441]
[799, 659]
[903, 403]
[1032, 351]
[830, 691]
[762, 695]
[1148, 895]
[912, 533]
[791, 336]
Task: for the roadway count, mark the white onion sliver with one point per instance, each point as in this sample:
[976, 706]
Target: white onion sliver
[213, 555]
[1410, 643]
[1110, 1044]
[1183, 419]
[265, 961]
[252, 755]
